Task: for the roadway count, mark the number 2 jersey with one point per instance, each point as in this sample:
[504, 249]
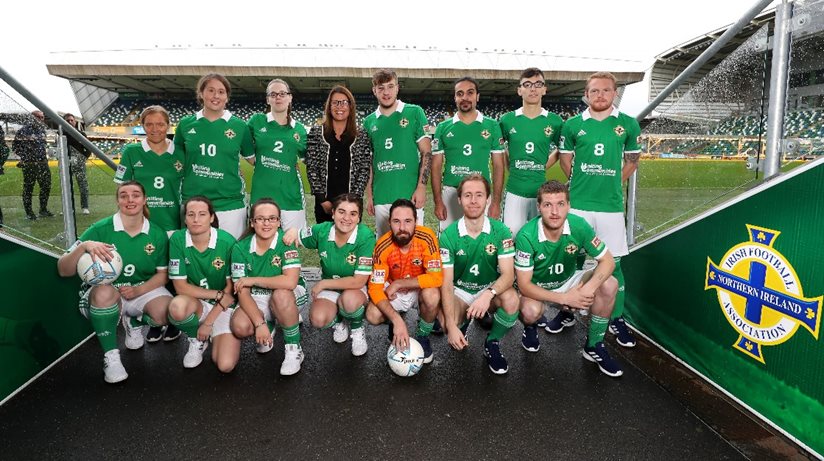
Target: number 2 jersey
[553, 263]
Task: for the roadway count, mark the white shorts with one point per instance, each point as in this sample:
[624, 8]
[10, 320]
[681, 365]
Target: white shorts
[466, 296]
[295, 219]
[609, 227]
[221, 325]
[233, 221]
[518, 210]
[453, 207]
[134, 307]
[262, 301]
[382, 218]
[333, 295]
[405, 300]
[580, 276]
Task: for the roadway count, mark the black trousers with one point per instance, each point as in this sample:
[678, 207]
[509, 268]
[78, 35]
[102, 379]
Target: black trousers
[39, 173]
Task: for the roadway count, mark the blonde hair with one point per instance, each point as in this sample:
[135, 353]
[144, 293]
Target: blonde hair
[603, 75]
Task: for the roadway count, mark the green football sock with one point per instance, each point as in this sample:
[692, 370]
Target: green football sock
[424, 328]
[355, 318]
[104, 321]
[271, 325]
[618, 310]
[597, 328]
[332, 323]
[147, 320]
[501, 323]
[188, 325]
[136, 322]
[291, 335]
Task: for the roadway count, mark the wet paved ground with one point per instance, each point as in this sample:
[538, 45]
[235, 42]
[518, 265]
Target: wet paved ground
[552, 404]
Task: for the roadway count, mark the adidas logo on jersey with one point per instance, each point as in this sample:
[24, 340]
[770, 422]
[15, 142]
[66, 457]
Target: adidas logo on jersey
[449, 135]
[461, 252]
[263, 130]
[191, 131]
[581, 133]
[374, 128]
[512, 131]
[541, 257]
[323, 254]
[138, 164]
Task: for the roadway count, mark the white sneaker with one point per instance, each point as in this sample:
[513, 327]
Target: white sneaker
[86, 211]
[194, 355]
[134, 335]
[359, 346]
[292, 358]
[264, 348]
[340, 332]
[113, 371]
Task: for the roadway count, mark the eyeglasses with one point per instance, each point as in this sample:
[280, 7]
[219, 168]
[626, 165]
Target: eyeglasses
[535, 85]
[341, 103]
[279, 94]
[266, 219]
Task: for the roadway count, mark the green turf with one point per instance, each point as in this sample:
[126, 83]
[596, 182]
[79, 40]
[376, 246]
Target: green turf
[669, 192]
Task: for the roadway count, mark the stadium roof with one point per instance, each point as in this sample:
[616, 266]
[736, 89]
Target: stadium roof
[314, 69]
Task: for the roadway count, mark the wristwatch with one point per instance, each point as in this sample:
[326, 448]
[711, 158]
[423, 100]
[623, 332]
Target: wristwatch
[493, 291]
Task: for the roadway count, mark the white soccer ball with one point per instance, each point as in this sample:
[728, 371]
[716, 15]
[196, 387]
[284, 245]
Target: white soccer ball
[96, 272]
[406, 363]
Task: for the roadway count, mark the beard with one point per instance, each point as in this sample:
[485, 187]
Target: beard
[402, 239]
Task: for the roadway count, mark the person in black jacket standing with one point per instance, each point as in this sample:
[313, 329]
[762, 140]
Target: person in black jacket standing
[77, 162]
[30, 146]
[4, 155]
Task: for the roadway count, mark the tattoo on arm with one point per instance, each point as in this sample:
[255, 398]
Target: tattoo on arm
[426, 164]
[632, 157]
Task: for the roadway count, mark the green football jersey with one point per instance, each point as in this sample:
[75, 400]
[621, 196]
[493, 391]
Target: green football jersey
[143, 255]
[277, 258]
[396, 162]
[208, 269]
[160, 175]
[599, 148]
[475, 261]
[353, 258]
[277, 151]
[466, 148]
[553, 263]
[212, 151]
[529, 143]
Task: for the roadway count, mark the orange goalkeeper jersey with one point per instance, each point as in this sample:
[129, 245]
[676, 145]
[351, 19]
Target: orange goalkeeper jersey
[423, 260]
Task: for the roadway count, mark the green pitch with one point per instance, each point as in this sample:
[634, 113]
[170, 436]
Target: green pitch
[669, 192]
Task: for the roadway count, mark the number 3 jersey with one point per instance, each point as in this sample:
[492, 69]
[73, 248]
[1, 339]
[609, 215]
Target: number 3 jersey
[474, 261]
[599, 147]
[553, 263]
[467, 148]
[160, 175]
[208, 269]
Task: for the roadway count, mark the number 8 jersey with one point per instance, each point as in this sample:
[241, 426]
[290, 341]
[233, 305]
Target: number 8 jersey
[599, 147]
[160, 175]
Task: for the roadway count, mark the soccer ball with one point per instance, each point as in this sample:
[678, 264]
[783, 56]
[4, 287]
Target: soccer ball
[406, 363]
[95, 272]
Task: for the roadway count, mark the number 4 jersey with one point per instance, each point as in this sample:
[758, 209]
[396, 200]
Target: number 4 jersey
[474, 261]
[160, 175]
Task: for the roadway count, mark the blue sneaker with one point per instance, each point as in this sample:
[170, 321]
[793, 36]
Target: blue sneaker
[530, 338]
[437, 328]
[541, 323]
[606, 364]
[428, 356]
[623, 336]
[564, 319]
[171, 333]
[494, 358]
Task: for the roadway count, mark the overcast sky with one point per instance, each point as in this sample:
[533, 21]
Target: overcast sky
[621, 29]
